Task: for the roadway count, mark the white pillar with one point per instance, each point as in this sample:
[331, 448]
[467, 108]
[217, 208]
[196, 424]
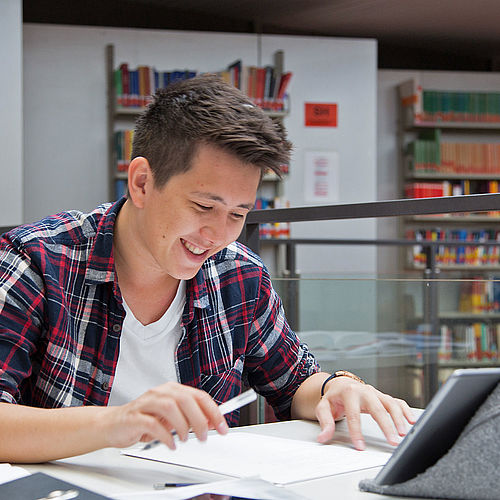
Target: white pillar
[11, 113]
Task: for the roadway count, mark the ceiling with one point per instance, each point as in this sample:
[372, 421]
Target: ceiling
[412, 34]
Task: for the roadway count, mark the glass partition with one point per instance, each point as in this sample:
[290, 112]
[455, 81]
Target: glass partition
[422, 297]
[404, 335]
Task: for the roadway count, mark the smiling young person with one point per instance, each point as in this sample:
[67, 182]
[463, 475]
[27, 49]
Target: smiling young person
[138, 318]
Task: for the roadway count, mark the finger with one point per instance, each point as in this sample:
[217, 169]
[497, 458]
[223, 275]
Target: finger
[395, 410]
[173, 417]
[212, 413]
[399, 411]
[153, 429]
[353, 417]
[326, 420]
[192, 410]
[408, 412]
[374, 406]
[164, 407]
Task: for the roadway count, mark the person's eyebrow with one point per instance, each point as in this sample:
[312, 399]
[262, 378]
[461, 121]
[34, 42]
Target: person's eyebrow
[215, 197]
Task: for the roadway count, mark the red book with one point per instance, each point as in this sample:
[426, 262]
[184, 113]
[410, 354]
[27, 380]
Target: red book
[125, 84]
[284, 81]
[261, 83]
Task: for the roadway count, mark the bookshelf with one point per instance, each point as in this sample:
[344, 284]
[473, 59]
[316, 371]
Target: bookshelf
[128, 92]
[450, 145]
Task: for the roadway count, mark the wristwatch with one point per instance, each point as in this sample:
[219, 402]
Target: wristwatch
[340, 373]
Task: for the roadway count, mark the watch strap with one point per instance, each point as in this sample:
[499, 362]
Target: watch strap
[340, 373]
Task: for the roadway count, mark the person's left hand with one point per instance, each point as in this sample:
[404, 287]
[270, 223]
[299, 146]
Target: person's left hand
[345, 397]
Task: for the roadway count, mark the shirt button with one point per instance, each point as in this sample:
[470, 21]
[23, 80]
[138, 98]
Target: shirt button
[116, 327]
[105, 386]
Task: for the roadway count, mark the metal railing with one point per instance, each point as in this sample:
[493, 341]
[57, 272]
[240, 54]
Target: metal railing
[376, 209]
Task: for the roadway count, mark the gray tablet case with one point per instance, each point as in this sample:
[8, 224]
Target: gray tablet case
[469, 471]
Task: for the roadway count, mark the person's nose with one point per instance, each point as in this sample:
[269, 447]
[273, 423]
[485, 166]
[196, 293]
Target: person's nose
[215, 230]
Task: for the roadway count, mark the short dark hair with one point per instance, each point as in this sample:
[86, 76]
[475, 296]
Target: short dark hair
[206, 110]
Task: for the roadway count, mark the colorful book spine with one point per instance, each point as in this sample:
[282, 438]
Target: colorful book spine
[459, 255]
[263, 85]
[450, 188]
[123, 149]
[273, 230]
[473, 341]
[434, 106]
[134, 87]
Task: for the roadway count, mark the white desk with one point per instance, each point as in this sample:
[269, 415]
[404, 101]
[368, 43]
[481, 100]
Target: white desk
[110, 473]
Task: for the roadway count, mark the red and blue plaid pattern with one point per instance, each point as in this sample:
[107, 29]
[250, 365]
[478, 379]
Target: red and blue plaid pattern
[61, 316]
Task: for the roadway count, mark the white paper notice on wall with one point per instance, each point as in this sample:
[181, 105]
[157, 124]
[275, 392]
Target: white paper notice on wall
[321, 182]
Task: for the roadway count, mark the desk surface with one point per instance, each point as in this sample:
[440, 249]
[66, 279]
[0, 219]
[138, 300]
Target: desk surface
[108, 472]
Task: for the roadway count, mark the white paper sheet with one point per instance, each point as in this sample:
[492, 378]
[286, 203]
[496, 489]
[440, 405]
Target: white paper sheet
[242, 488]
[277, 460]
[9, 473]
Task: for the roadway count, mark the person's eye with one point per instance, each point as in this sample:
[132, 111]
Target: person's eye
[237, 216]
[202, 207]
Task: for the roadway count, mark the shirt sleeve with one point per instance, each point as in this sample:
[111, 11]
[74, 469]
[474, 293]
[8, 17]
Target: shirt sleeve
[21, 313]
[277, 361]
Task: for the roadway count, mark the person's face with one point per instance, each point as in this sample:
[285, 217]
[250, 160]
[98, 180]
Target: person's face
[199, 212]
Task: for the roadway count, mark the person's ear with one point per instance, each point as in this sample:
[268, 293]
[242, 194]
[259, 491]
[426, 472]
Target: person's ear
[140, 179]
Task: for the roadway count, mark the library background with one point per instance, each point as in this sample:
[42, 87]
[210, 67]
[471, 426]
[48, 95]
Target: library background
[367, 294]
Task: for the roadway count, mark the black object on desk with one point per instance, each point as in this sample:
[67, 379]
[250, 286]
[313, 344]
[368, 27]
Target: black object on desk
[468, 470]
[42, 486]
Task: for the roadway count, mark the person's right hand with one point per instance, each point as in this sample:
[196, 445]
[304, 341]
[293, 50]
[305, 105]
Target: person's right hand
[161, 410]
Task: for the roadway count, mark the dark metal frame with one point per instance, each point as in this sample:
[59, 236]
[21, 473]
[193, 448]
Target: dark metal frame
[394, 208]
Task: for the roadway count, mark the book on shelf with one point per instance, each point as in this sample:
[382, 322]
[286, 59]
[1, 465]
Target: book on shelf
[277, 229]
[450, 106]
[120, 188]
[263, 84]
[456, 255]
[449, 188]
[428, 156]
[479, 295]
[442, 106]
[123, 148]
[134, 87]
[469, 342]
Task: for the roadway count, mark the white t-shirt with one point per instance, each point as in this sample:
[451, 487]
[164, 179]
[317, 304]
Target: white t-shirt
[147, 352]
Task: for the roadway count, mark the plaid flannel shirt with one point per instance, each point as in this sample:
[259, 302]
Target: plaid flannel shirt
[61, 316]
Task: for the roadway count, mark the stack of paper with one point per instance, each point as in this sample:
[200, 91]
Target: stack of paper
[277, 460]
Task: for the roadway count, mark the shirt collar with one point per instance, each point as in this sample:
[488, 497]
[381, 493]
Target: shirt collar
[101, 263]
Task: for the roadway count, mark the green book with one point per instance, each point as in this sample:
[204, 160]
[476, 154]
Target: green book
[118, 84]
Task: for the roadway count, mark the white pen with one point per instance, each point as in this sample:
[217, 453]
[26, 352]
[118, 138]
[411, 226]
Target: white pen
[232, 404]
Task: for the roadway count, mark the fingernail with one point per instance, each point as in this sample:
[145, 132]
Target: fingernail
[222, 428]
[203, 436]
[359, 444]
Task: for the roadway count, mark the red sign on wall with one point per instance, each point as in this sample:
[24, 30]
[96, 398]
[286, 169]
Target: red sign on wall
[320, 114]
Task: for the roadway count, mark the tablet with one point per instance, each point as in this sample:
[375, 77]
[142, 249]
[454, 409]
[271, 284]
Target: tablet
[441, 423]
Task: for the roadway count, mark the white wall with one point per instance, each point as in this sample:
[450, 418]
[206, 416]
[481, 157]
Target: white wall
[338, 71]
[11, 159]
